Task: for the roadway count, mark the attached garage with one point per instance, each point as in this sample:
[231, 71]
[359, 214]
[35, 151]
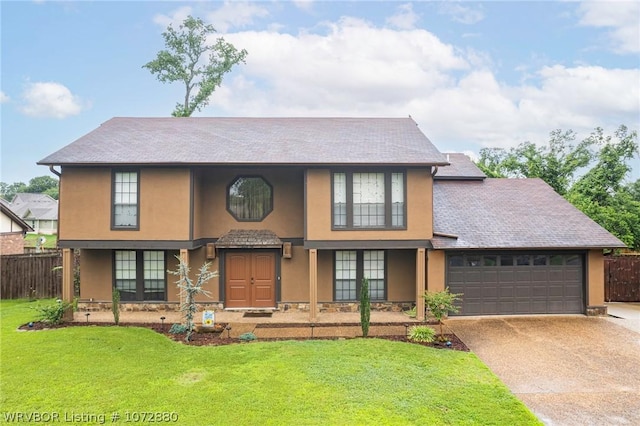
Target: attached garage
[509, 283]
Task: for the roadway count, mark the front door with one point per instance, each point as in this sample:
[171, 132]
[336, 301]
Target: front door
[250, 279]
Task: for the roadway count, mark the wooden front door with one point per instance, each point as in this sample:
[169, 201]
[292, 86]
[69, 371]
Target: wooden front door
[250, 280]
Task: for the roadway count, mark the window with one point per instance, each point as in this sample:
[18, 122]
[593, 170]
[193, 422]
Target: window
[140, 275]
[249, 198]
[353, 265]
[125, 200]
[368, 200]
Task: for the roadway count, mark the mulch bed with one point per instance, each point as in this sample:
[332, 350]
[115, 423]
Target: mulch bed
[220, 338]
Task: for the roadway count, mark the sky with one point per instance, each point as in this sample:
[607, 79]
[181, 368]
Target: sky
[471, 74]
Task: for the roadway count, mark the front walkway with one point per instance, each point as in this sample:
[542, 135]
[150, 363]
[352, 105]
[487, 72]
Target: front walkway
[338, 324]
[626, 314]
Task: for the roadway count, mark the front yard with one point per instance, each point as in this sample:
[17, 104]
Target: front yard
[93, 371]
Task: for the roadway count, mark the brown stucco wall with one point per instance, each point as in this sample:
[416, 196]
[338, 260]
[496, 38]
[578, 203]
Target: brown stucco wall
[96, 275]
[325, 276]
[401, 279]
[286, 218]
[85, 205]
[12, 243]
[295, 276]
[595, 278]
[419, 209]
[435, 270]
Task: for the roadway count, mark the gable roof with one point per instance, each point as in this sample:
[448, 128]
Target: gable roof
[460, 168]
[282, 141]
[513, 214]
[35, 206]
[6, 209]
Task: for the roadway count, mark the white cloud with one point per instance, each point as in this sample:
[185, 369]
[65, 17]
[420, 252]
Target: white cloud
[405, 18]
[303, 4]
[49, 99]
[353, 68]
[4, 97]
[459, 13]
[236, 15]
[175, 18]
[622, 18]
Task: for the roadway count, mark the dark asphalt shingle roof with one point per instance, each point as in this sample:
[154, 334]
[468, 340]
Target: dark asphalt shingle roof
[249, 238]
[5, 207]
[35, 206]
[513, 214]
[461, 167]
[203, 140]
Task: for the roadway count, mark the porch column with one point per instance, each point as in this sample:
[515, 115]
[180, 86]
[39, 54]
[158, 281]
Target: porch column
[420, 282]
[184, 256]
[313, 284]
[67, 281]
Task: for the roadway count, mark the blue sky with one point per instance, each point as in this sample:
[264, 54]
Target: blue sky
[471, 74]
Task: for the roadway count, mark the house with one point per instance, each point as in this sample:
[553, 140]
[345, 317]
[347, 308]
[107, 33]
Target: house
[40, 211]
[12, 230]
[294, 212]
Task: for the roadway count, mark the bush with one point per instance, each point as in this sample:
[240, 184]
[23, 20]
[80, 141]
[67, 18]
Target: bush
[422, 333]
[115, 305]
[440, 303]
[54, 313]
[247, 337]
[178, 329]
[365, 307]
[411, 313]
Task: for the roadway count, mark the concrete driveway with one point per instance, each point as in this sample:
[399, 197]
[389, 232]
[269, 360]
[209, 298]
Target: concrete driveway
[569, 370]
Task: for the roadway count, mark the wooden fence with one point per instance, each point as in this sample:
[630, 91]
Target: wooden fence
[622, 279]
[30, 276]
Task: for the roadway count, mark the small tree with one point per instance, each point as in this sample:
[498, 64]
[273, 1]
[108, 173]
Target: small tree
[365, 307]
[189, 290]
[190, 58]
[115, 305]
[440, 303]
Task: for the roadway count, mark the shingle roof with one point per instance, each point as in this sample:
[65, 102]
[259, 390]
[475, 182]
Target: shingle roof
[6, 209]
[249, 238]
[205, 140]
[511, 213]
[461, 167]
[35, 206]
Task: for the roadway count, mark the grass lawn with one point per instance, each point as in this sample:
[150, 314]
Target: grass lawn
[30, 240]
[102, 370]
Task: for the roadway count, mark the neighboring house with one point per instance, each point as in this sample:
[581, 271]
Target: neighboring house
[12, 230]
[294, 212]
[40, 211]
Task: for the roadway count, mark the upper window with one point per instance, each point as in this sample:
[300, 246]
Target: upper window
[368, 200]
[125, 200]
[249, 198]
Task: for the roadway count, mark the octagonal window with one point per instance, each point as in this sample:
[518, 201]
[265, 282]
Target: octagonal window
[249, 198]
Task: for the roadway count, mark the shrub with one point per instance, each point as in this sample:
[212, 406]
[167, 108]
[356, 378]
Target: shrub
[422, 333]
[53, 313]
[178, 329]
[247, 337]
[440, 303]
[115, 305]
[411, 313]
[365, 307]
[189, 290]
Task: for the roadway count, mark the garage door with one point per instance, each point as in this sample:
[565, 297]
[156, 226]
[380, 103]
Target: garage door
[508, 283]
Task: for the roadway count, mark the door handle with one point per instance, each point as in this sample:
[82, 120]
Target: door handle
[251, 280]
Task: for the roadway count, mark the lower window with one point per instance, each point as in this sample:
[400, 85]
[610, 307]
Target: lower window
[351, 266]
[140, 275]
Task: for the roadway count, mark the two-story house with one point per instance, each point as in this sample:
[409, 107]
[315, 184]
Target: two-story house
[294, 212]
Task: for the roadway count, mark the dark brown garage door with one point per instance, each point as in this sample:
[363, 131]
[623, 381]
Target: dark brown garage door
[510, 283]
